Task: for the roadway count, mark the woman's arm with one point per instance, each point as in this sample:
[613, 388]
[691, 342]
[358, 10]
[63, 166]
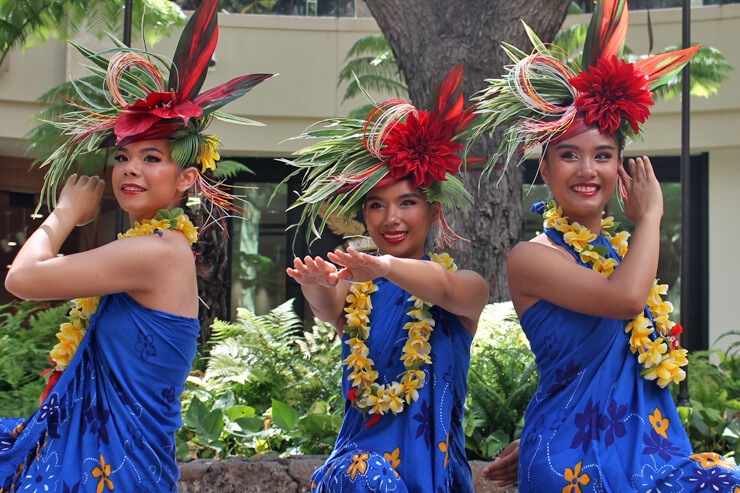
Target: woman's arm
[138, 265]
[325, 293]
[463, 293]
[536, 271]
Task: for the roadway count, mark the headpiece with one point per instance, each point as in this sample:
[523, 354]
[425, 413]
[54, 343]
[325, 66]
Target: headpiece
[143, 104]
[396, 141]
[543, 97]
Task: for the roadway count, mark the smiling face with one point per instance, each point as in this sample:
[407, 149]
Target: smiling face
[146, 178]
[582, 174]
[398, 217]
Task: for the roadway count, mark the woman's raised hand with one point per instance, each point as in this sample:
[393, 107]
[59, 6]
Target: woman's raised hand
[360, 267]
[313, 272]
[80, 198]
[644, 195]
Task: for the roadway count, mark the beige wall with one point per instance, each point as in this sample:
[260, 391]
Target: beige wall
[308, 53]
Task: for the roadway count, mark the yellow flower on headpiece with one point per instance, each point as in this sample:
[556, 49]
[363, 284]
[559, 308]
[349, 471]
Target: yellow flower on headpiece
[207, 154]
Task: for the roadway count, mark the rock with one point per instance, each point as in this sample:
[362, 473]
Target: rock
[272, 474]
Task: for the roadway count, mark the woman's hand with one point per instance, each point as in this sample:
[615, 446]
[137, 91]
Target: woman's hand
[644, 195]
[360, 267]
[313, 272]
[80, 198]
[505, 466]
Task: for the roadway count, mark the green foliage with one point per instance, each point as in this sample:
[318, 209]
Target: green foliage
[501, 382]
[714, 387]
[371, 65]
[268, 387]
[26, 337]
[28, 23]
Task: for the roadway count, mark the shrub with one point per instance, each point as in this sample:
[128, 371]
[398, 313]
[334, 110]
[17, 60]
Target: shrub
[27, 330]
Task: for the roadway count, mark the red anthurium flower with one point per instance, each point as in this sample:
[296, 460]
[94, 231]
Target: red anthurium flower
[677, 330]
[143, 114]
[422, 148]
[373, 420]
[351, 394]
[611, 91]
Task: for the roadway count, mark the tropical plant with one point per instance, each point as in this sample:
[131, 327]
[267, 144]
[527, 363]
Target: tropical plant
[370, 65]
[713, 422]
[28, 23]
[502, 380]
[27, 330]
[268, 387]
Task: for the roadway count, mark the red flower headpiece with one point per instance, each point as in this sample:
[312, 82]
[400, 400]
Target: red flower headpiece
[541, 98]
[611, 91]
[396, 141]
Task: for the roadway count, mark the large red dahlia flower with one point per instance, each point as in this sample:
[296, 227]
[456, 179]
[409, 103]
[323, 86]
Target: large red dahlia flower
[611, 91]
[422, 148]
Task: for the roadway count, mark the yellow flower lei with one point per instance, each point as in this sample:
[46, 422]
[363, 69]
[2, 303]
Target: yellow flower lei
[662, 358]
[366, 395]
[71, 333]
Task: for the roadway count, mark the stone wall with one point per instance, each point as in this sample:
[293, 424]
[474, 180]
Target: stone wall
[271, 474]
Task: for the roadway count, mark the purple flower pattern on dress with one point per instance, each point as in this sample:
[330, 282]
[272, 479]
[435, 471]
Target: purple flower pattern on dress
[588, 424]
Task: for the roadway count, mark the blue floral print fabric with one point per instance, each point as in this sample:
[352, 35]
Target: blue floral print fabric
[422, 449]
[595, 424]
[110, 421]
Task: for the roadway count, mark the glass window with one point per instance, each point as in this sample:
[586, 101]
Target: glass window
[258, 249]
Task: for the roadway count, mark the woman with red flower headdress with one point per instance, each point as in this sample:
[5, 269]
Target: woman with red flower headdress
[602, 418]
[108, 417]
[406, 319]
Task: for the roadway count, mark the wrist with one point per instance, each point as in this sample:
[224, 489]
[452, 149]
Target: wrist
[63, 218]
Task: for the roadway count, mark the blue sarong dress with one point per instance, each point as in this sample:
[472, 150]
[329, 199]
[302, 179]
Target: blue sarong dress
[109, 422]
[422, 449]
[595, 424]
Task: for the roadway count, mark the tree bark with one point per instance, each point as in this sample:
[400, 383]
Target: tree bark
[430, 37]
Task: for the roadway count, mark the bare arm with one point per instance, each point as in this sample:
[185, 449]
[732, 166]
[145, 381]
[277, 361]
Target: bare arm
[463, 293]
[141, 266]
[324, 292]
[538, 272]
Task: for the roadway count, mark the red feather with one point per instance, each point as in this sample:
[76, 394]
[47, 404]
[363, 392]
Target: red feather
[217, 97]
[660, 68]
[606, 32]
[194, 51]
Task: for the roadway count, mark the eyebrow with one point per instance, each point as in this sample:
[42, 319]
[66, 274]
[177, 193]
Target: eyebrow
[146, 149]
[410, 195]
[573, 146]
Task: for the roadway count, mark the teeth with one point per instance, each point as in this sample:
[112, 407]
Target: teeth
[135, 189]
[582, 188]
[394, 236]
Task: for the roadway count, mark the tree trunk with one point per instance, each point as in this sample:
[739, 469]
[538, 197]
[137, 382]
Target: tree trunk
[214, 272]
[430, 37]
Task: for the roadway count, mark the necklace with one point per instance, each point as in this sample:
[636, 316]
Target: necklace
[367, 396]
[71, 332]
[654, 341]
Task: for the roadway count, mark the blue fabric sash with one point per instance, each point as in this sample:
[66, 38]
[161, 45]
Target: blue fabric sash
[110, 420]
[421, 449]
[595, 424]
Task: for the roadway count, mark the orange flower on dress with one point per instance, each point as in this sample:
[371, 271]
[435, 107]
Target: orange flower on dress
[394, 459]
[576, 479]
[102, 472]
[710, 459]
[660, 424]
[359, 464]
[445, 448]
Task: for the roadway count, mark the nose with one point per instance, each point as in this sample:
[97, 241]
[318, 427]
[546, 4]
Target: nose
[392, 215]
[131, 167]
[587, 167]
